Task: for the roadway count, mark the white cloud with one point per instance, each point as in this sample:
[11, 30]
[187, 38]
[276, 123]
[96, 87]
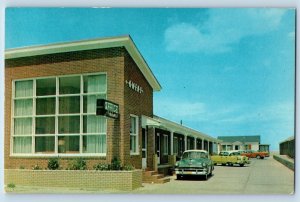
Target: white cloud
[223, 28]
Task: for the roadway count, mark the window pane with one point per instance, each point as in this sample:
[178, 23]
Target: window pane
[46, 87]
[23, 89]
[89, 103]
[94, 144]
[69, 105]
[45, 106]
[68, 124]
[94, 83]
[133, 143]
[69, 85]
[68, 144]
[23, 126]
[133, 125]
[23, 107]
[94, 124]
[22, 145]
[45, 125]
[44, 144]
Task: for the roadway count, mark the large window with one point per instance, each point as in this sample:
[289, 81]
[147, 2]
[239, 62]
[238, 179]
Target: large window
[134, 134]
[57, 115]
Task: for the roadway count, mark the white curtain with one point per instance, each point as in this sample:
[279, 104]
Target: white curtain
[95, 124]
[95, 144]
[23, 89]
[23, 107]
[22, 144]
[23, 126]
[96, 83]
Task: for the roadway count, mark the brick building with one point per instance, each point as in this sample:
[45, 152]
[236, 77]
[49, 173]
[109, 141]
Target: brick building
[50, 107]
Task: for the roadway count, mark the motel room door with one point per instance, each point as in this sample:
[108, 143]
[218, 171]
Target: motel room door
[144, 148]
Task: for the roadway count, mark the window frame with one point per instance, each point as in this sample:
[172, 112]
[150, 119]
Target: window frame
[81, 114]
[136, 135]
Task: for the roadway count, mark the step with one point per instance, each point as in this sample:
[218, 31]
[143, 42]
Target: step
[153, 177]
[149, 173]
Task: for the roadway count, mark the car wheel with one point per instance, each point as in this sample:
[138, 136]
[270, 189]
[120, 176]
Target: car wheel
[241, 164]
[262, 157]
[258, 157]
[210, 173]
[179, 177]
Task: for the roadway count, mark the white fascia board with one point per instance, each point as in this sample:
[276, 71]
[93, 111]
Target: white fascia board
[124, 41]
[175, 127]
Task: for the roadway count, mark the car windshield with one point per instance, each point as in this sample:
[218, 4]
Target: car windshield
[194, 155]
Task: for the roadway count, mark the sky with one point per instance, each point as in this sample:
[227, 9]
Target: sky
[224, 72]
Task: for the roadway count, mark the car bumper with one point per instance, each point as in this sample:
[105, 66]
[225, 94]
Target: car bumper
[179, 171]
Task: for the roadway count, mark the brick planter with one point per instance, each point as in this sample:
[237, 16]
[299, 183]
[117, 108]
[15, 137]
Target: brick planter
[118, 180]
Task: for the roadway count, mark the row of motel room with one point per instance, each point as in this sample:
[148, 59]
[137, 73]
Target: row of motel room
[90, 99]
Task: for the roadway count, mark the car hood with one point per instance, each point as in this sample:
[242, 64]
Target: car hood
[193, 162]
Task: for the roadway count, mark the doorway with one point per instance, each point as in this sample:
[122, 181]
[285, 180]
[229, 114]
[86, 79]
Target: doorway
[144, 148]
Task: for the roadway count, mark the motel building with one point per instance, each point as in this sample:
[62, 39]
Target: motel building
[89, 99]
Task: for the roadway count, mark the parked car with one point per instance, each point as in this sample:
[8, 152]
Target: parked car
[230, 158]
[254, 154]
[194, 163]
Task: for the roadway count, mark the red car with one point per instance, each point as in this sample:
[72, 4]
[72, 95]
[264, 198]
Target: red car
[254, 154]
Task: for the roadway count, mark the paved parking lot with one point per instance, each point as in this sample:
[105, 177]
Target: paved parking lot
[265, 176]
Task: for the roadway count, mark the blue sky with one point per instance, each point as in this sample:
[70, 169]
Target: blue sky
[223, 71]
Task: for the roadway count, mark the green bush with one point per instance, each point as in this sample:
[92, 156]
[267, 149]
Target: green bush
[78, 164]
[128, 167]
[102, 166]
[115, 164]
[11, 185]
[53, 164]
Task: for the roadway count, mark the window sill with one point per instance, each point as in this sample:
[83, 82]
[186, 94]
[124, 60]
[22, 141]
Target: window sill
[134, 154]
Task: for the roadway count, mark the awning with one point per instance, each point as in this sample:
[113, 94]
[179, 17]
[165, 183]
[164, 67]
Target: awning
[148, 121]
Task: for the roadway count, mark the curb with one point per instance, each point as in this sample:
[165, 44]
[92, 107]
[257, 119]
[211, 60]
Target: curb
[288, 163]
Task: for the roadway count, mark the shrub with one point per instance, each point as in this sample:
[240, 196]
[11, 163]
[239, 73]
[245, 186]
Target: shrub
[11, 185]
[78, 164]
[128, 167]
[53, 164]
[102, 166]
[36, 167]
[115, 164]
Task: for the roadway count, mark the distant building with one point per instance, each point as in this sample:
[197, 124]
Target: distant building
[287, 147]
[242, 143]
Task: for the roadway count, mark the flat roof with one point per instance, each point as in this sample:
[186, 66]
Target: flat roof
[100, 43]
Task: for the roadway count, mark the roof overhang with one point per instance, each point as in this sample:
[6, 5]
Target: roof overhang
[178, 128]
[123, 41]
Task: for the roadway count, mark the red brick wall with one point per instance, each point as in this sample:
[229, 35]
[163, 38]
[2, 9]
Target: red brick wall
[110, 61]
[137, 104]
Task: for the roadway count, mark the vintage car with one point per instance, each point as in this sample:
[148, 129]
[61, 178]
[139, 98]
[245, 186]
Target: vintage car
[230, 158]
[254, 154]
[194, 163]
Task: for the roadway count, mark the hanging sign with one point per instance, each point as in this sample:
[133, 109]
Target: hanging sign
[107, 108]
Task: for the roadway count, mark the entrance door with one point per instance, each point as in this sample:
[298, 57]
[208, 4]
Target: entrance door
[158, 147]
[144, 149]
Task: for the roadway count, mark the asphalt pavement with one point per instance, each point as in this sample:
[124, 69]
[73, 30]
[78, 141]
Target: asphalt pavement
[261, 176]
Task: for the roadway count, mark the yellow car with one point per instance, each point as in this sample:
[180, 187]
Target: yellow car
[230, 158]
